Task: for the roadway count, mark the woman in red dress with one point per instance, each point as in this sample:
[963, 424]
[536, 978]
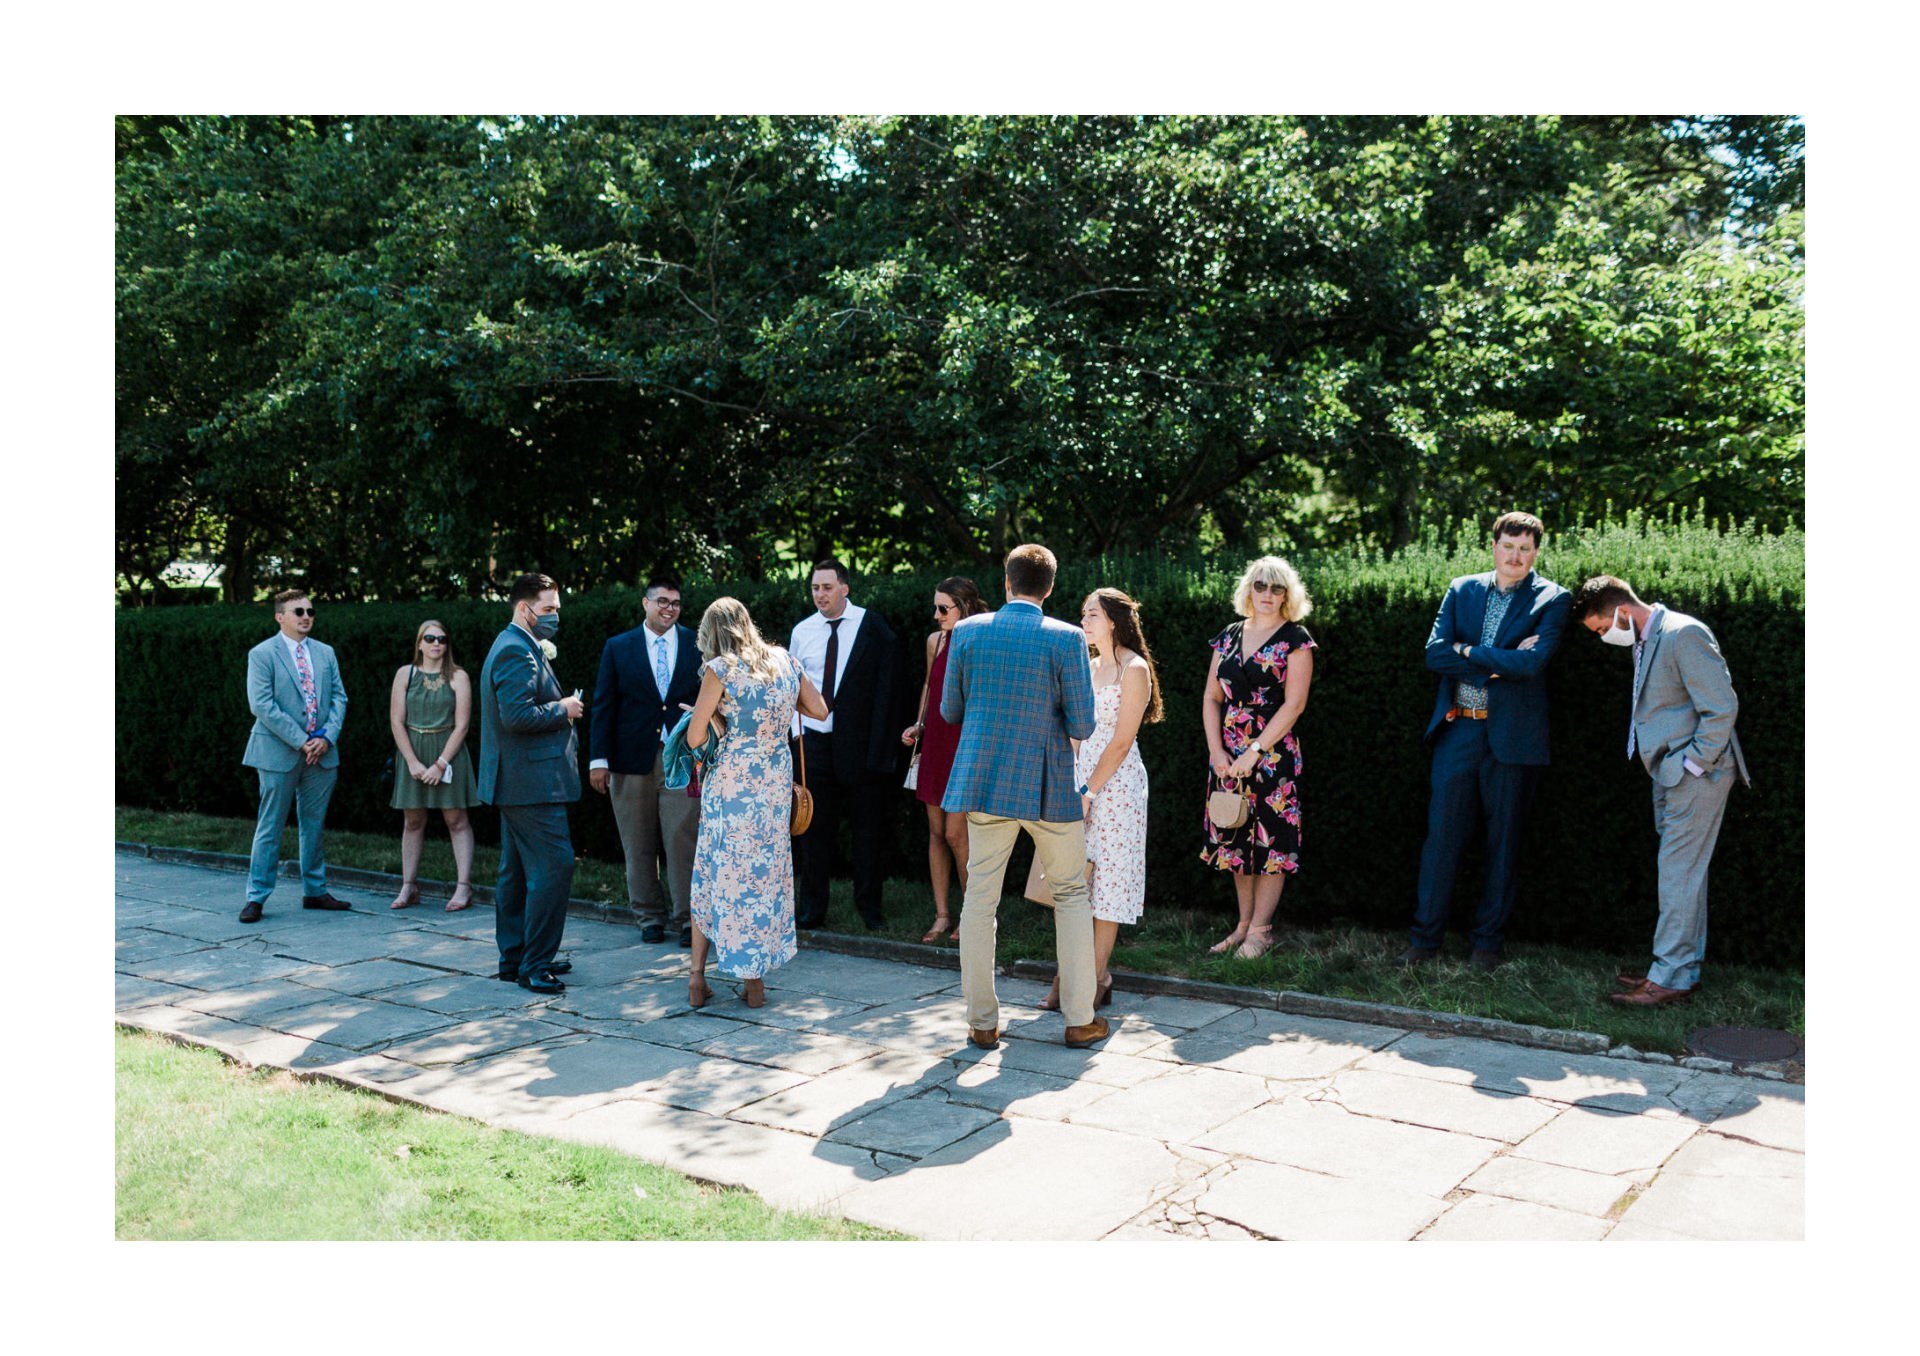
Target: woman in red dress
[954, 599]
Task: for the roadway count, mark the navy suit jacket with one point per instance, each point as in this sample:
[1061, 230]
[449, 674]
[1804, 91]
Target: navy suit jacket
[528, 753]
[1517, 698]
[628, 706]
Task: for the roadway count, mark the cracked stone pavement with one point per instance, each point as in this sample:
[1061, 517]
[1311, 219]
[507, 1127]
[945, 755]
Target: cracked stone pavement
[854, 1091]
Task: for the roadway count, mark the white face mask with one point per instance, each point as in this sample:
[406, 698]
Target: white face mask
[1614, 635]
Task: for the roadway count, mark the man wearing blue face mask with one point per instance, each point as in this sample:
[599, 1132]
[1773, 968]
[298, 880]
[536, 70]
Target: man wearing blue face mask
[530, 770]
[1681, 728]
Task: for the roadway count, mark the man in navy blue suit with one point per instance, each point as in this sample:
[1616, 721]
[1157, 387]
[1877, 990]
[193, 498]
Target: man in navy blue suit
[1491, 644]
[646, 674]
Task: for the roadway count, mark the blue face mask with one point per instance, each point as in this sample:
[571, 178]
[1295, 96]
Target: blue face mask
[546, 626]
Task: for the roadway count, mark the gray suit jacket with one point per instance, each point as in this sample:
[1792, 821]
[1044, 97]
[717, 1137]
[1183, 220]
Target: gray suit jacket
[280, 710]
[528, 752]
[1686, 706]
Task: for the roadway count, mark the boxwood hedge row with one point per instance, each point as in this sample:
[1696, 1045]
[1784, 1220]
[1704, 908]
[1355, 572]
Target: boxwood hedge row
[181, 721]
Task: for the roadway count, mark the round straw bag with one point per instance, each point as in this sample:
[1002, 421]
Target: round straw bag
[802, 798]
[1227, 808]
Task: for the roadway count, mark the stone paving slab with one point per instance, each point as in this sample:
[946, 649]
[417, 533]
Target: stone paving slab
[1020, 1179]
[855, 1090]
[1522, 1179]
[1489, 1219]
[1286, 1203]
[1440, 1106]
[1324, 1137]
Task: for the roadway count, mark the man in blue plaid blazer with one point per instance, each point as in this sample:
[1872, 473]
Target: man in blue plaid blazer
[1019, 687]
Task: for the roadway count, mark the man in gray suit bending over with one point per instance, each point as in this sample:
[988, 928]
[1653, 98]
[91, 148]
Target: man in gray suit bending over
[1682, 729]
[530, 770]
[293, 688]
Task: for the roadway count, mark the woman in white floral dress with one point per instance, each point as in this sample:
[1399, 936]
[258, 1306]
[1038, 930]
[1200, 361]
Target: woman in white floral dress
[1126, 694]
[742, 901]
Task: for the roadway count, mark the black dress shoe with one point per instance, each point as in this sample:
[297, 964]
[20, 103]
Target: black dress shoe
[560, 967]
[873, 923]
[323, 902]
[251, 914]
[544, 982]
[686, 936]
[1486, 962]
[1416, 955]
[653, 933]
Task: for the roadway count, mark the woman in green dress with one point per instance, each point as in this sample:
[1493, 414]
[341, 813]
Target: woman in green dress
[429, 711]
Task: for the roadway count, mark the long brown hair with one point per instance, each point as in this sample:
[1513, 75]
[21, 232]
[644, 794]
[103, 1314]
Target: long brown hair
[1124, 613]
[448, 664]
[965, 594]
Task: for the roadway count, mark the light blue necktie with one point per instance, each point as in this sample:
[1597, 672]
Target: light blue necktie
[663, 676]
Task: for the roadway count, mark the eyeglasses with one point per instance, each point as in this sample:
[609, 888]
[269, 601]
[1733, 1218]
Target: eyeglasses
[433, 640]
[301, 611]
[666, 604]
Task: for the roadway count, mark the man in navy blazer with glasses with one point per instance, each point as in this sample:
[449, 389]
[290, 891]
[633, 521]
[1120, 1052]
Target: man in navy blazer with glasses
[1490, 644]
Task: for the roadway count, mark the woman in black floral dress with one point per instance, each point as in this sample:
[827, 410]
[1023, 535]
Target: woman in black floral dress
[1256, 690]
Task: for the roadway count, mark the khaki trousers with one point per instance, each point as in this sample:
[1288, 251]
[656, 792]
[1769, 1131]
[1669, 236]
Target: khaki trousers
[650, 817]
[1062, 852]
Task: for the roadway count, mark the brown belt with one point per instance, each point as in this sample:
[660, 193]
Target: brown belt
[1466, 713]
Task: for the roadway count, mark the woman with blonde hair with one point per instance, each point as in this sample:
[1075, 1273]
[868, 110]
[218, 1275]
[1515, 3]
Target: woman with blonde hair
[742, 901]
[954, 599]
[1256, 689]
[429, 709]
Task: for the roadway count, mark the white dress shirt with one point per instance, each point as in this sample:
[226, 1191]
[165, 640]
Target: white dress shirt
[670, 642]
[809, 646]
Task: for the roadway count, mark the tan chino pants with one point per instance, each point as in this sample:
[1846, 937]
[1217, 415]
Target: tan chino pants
[1062, 852]
[650, 818]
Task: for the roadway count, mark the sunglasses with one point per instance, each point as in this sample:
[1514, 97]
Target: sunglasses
[433, 640]
[301, 611]
[943, 608]
[1262, 586]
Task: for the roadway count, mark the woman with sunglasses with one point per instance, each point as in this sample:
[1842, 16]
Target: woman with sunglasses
[953, 600]
[429, 710]
[1256, 690]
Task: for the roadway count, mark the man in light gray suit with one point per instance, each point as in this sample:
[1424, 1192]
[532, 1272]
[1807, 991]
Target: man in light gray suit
[530, 770]
[293, 689]
[1682, 729]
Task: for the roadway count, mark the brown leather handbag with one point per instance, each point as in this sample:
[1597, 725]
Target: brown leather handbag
[802, 798]
[1228, 809]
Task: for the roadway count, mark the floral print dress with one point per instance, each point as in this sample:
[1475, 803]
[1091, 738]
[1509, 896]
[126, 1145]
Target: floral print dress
[1269, 842]
[743, 860]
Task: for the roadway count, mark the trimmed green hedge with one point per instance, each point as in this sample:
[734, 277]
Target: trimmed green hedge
[181, 722]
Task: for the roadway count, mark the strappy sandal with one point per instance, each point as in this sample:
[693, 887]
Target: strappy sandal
[1103, 993]
[1051, 1003]
[409, 896]
[1256, 946]
[942, 927]
[462, 898]
[1228, 943]
[754, 993]
[698, 993]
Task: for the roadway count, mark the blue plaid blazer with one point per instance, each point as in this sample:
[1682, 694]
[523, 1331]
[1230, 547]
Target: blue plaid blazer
[1019, 688]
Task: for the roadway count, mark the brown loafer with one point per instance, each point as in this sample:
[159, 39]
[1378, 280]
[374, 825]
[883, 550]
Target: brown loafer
[1081, 1036]
[987, 1039]
[1626, 979]
[1651, 995]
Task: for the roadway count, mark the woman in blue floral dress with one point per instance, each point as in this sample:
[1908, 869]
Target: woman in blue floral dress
[742, 901]
[1256, 690]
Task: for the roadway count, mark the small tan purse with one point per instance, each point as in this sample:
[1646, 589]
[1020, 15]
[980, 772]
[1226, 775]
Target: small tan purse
[802, 798]
[1228, 809]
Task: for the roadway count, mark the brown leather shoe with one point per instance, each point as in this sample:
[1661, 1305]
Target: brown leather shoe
[1650, 995]
[1627, 980]
[986, 1040]
[251, 913]
[1081, 1036]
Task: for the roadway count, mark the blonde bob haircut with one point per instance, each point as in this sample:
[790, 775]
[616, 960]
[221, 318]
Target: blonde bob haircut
[1272, 570]
[726, 628]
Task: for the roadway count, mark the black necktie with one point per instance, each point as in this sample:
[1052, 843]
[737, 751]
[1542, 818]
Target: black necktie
[833, 662]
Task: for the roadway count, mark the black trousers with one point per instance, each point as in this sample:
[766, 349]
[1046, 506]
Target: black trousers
[530, 895]
[837, 793]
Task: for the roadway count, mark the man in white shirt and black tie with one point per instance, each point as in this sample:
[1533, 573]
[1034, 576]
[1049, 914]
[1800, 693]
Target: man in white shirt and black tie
[850, 655]
[646, 674]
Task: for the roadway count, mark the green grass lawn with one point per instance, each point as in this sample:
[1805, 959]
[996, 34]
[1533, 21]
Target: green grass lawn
[206, 1149]
[1544, 985]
